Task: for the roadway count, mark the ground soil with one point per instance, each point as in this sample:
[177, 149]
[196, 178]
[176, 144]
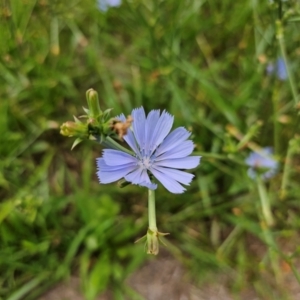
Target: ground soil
[163, 277]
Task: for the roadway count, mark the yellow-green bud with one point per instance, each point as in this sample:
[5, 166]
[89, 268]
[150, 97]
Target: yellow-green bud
[74, 129]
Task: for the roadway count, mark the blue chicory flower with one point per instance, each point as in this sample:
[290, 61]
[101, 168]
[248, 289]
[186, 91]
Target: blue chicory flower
[157, 152]
[279, 69]
[104, 5]
[262, 163]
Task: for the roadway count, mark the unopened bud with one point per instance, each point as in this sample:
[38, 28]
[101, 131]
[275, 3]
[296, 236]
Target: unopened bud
[74, 129]
[93, 103]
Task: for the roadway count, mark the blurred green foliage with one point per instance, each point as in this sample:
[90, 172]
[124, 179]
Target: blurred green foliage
[203, 61]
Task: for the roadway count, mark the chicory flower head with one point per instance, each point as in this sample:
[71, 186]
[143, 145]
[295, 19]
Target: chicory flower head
[261, 163]
[279, 69]
[157, 152]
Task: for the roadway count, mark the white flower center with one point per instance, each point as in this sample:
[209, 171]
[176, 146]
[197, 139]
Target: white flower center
[145, 162]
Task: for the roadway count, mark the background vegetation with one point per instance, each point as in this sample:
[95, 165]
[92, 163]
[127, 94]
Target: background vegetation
[203, 61]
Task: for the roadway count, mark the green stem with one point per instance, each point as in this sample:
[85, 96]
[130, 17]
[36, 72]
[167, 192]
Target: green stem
[151, 210]
[276, 124]
[287, 168]
[273, 253]
[109, 142]
[280, 37]
[265, 203]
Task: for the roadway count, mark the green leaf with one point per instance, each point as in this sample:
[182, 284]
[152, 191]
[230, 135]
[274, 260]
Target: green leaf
[99, 277]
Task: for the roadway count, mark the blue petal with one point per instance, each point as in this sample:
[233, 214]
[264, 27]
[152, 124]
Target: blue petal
[129, 137]
[102, 5]
[108, 174]
[121, 117]
[140, 177]
[269, 174]
[281, 69]
[114, 3]
[270, 68]
[136, 176]
[115, 158]
[251, 160]
[269, 163]
[170, 184]
[175, 138]
[182, 150]
[180, 163]
[161, 130]
[138, 124]
[152, 118]
[131, 141]
[268, 150]
[101, 164]
[180, 176]
[151, 186]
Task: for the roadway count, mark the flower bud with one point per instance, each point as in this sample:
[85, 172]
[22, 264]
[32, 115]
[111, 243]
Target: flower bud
[93, 103]
[74, 129]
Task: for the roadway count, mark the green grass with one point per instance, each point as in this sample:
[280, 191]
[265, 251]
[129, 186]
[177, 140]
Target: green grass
[204, 62]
